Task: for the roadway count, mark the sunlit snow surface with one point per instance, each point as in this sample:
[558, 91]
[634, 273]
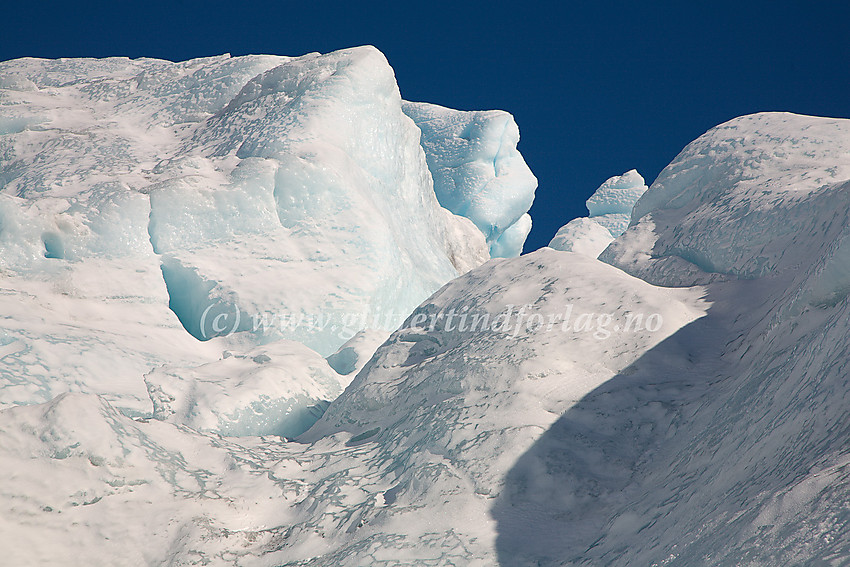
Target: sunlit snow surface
[520, 415]
[404, 468]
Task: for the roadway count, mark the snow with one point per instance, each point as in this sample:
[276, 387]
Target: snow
[281, 388]
[610, 209]
[403, 467]
[582, 236]
[356, 352]
[238, 328]
[757, 195]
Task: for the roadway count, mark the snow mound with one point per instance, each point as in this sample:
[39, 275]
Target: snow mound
[725, 444]
[281, 388]
[478, 172]
[583, 236]
[449, 403]
[610, 209]
[354, 354]
[758, 195]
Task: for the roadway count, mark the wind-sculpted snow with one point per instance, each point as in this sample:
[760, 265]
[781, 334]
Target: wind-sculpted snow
[281, 388]
[610, 209]
[454, 397]
[725, 444]
[549, 410]
[478, 172]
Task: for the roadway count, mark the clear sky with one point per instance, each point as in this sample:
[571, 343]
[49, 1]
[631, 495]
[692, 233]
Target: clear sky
[597, 88]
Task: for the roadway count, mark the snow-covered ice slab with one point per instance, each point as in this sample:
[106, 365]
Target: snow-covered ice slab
[280, 388]
[726, 444]
[404, 467]
[758, 195]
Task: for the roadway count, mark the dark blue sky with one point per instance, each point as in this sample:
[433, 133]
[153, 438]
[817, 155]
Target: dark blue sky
[597, 88]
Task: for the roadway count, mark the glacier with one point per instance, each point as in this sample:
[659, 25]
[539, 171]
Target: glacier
[478, 172]
[260, 311]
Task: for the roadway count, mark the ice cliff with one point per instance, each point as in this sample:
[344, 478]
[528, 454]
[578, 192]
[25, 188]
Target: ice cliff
[279, 198]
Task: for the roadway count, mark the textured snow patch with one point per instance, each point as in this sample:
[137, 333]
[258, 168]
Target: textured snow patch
[357, 351]
[103, 488]
[582, 236]
[757, 195]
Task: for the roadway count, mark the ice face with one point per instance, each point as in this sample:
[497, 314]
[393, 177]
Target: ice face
[271, 197]
[330, 187]
[617, 195]
[478, 172]
[610, 209]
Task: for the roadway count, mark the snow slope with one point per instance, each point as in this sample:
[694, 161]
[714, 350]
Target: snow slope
[744, 460]
[758, 195]
[403, 468]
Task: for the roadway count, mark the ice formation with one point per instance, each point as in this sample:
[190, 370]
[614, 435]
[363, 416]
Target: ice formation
[680, 402]
[777, 179]
[281, 388]
[281, 198]
[610, 210]
[478, 172]
[404, 467]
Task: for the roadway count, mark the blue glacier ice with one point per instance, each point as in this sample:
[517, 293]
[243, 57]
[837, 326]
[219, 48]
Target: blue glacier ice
[478, 172]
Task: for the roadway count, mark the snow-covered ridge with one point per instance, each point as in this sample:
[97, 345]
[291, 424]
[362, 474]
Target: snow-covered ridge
[757, 195]
[746, 460]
